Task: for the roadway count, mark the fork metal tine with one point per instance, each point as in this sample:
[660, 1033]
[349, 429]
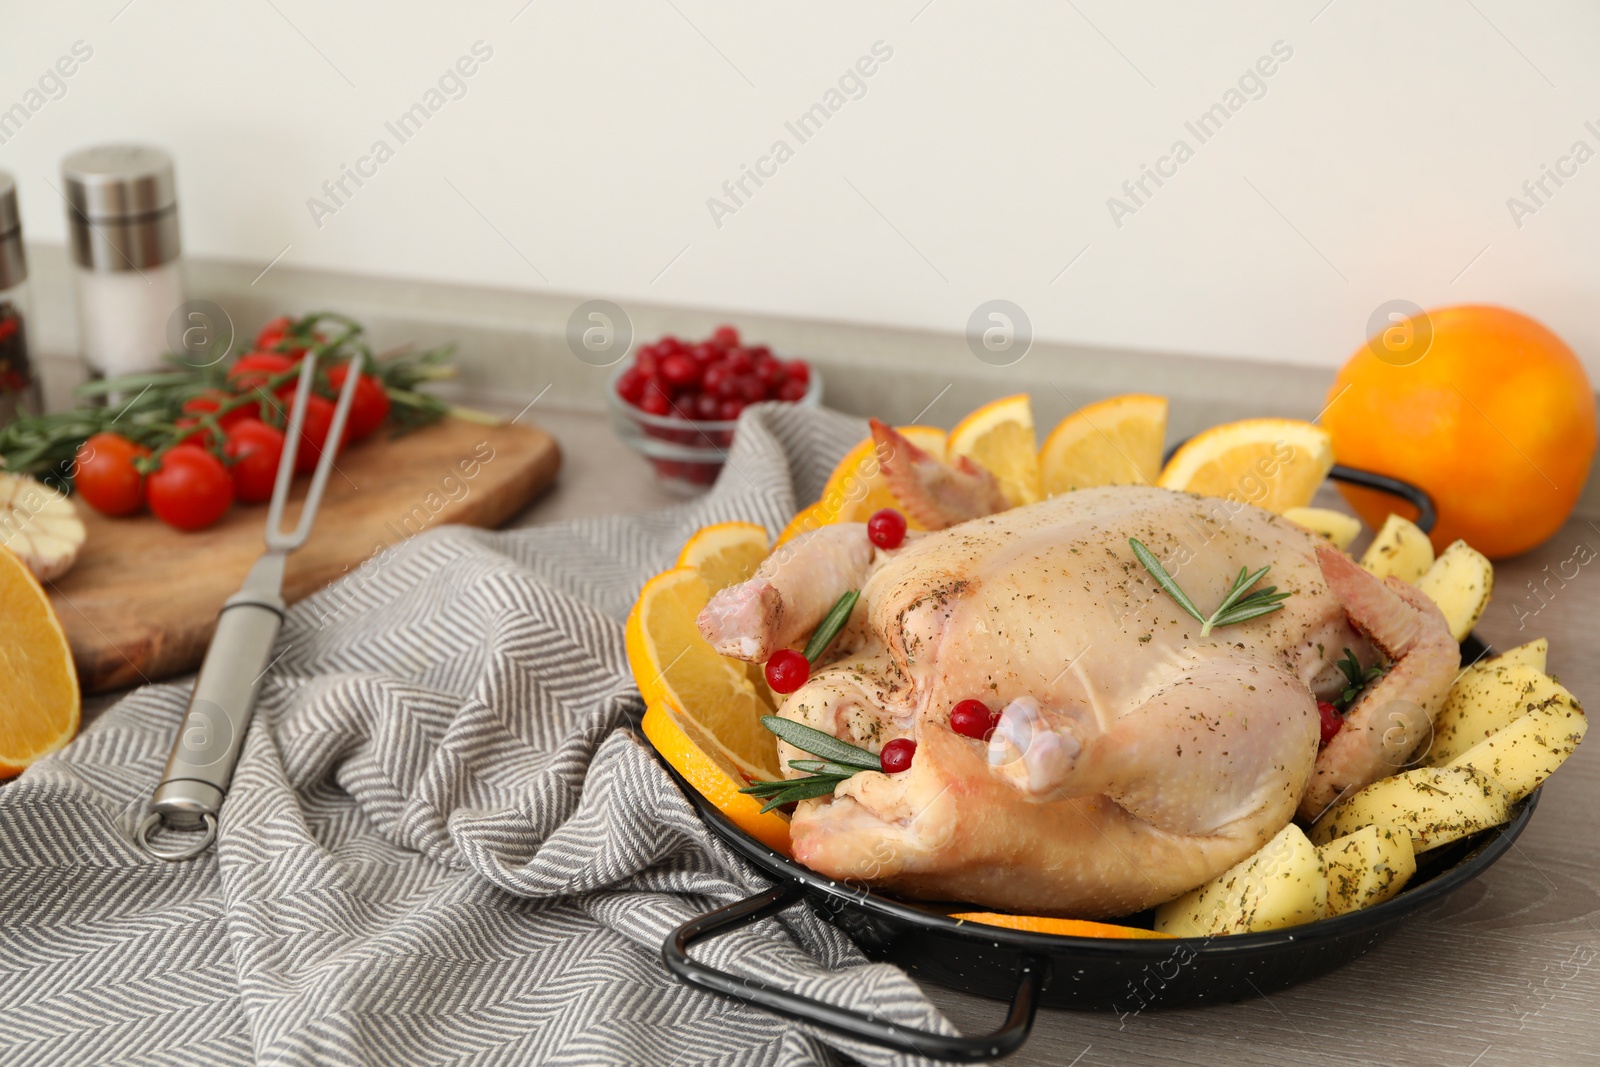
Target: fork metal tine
[277, 538]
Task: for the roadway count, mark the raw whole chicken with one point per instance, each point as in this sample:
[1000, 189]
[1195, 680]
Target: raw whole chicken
[1133, 758]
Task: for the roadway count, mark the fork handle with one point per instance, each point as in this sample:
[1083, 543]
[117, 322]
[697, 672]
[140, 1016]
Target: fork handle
[206, 749]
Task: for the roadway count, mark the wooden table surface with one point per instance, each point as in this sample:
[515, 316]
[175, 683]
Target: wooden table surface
[1506, 973]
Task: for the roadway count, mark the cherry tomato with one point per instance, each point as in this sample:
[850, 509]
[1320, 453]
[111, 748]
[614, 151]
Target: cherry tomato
[255, 449]
[105, 475]
[368, 408]
[787, 670]
[896, 755]
[972, 718]
[208, 402]
[191, 432]
[191, 490]
[253, 370]
[277, 332]
[314, 433]
[886, 528]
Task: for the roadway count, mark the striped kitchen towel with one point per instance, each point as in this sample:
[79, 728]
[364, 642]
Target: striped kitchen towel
[445, 842]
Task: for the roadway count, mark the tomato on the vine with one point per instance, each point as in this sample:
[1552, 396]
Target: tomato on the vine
[105, 476]
[191, 432]
[191, 489]
[255, 449]
[277, 332]
[314, 433]
[208, 402]
[368, 408]
[253, 370]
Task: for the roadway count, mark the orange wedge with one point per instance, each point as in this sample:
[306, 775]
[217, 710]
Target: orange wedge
[857, 488]
[999, 437]
[1038, 924]
[725, 554]
[39, 701]
[671, 661]
[1275, 464]
[1115, 441]
[715, 773]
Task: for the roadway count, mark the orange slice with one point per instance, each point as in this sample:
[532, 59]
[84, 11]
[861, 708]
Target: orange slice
[1038, 924]
[857, 487]
[1115, 441]
[715, 773]
[671, 661]
[725, 554]
[1275, 464]
[999, 437]
[39, 701]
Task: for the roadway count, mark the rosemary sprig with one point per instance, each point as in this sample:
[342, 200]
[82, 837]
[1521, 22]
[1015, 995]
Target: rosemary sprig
[1357, 678]
[839, 761]
[830, 626]
[1238, 605]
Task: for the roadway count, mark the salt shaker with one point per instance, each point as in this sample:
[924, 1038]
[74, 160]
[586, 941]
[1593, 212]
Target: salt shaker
[19, 390]
[122, 217]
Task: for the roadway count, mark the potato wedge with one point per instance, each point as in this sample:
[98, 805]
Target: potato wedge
[1460, 582]
[1334, 526]
[1283, 884]
[1482, 702]
[1367, 867]
[1400, 549]
[1533, 654]
[1435, 805]
[1521, 756]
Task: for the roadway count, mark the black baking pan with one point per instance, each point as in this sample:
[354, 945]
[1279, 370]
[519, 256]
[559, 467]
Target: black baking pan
[1032, 969]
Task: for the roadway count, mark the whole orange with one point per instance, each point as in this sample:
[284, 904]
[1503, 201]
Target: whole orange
[1496, 420]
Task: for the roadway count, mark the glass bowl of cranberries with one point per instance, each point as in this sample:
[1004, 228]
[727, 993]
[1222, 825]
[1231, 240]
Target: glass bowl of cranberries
[677, 402]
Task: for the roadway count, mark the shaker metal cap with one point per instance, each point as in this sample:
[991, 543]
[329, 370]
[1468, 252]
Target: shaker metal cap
[119, 181]
[13, 261]
[122, 207]
[10, 219]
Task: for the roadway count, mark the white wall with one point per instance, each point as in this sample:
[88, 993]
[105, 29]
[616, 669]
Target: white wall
[978, 163]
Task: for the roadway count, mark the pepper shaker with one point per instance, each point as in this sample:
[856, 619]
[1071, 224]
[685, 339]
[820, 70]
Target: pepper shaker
[19, 390]
[122, 217]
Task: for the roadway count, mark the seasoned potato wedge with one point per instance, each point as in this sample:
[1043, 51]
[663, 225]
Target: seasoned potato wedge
[1281, 885]
[1334, 526]
[1524, 754]
[1460, 582]
[1435, 805]
[1400, 549]
[1483, 701]
[1533, 654]
[1367, 867]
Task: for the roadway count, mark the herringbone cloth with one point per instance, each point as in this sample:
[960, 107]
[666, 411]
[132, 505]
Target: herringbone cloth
[444, 843]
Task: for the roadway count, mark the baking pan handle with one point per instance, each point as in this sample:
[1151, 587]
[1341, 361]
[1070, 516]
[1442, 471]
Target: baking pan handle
[1416, 496]
[1004, 1041]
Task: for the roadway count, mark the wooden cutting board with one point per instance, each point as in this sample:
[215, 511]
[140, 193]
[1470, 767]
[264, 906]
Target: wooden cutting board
[142, 600]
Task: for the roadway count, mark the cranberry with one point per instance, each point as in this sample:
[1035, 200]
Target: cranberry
[886, 528]
[972, 718]
[655, 402]
[787, 670]
[630, 385]
[725, 335]
[1331, 722]
[705, 406]
[798, 370]
[679, 370]
[896, 755]
[739, 361]
[792, 391]
[647, 361]
[728, 385]
[729, 410]
[670, 346]
[715, 374]
[750, 389]
[771, 373]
